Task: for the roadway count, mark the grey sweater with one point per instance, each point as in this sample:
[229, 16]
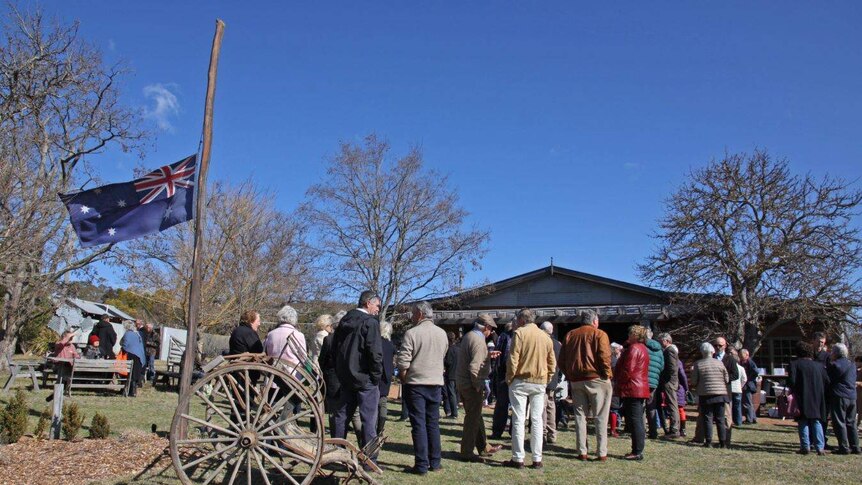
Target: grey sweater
[709, 377]
[421, 356]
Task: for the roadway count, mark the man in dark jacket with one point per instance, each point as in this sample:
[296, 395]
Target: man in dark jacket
[358, 353]
[450, 367]
[549, 414]
[107, 337]
[842, 400]
[501, 389]
[749, 387]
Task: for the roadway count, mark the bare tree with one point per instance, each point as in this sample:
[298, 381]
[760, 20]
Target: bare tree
[256, 258]
[59, 106]
[750, 243]
[391, 226]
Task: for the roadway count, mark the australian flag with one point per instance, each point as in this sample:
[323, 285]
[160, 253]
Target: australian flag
[118, 212]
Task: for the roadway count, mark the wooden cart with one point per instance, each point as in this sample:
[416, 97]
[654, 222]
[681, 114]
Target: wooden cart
[257, 419]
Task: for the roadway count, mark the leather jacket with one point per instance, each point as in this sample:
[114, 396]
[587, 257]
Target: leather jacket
[632, 373]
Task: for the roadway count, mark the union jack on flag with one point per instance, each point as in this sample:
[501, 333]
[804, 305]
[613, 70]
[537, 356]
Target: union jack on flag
[166, 179]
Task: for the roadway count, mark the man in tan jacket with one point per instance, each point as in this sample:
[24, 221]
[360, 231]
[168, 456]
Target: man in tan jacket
[529, 369]
[585, 359]
[474, 364]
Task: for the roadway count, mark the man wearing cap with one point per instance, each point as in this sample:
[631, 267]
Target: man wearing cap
[474, 364]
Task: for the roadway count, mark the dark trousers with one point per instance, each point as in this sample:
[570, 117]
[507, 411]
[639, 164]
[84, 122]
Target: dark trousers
[750, 414]
[710, 412]
[501, 410]
[653, 406]
[844, 423]
[423, 404]
[136, 375]
[473, 440]
[382, 411]
[366, 400]
[150, 368]
[450, 399]
[634, 412]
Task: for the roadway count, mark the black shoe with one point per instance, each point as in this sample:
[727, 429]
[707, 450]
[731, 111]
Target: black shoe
[518, 465]
[417, 471]
[439, 468]
[856, 451]
[802, 452]
[841, 451]
[633, 457]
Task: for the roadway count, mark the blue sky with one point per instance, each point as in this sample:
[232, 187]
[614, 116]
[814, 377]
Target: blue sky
[563, 125]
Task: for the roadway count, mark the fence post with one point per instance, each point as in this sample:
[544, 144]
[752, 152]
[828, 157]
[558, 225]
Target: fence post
[57, 418]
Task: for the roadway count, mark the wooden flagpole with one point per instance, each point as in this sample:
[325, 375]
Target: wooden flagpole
[200, 207]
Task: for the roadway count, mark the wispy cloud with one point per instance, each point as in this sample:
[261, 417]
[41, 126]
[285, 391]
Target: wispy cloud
[112, 46]
[165, 104]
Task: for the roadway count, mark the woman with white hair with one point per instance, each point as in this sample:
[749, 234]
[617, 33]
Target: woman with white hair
[277, 340]
[710, 379]
[323, 324]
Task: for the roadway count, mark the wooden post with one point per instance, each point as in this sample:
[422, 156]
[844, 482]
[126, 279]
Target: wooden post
[57, 418]
[200, 206]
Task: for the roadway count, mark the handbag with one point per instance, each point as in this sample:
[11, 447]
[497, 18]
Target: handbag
[788, 406]
[121, 368]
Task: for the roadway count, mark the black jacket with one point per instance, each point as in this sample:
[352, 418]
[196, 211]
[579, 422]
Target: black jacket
[358, 351]
[555, 379]
[808, 380]
[842, 379]
[326, 361]
[751, 374]
[107, 339]
[388, 351]
[730, 362]
[244, 339]
[450, 362]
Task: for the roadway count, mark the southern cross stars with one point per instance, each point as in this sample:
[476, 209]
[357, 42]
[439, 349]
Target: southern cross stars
[112, 231]
[121, 203]
[85, 209]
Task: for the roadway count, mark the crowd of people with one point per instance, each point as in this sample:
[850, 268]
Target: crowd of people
[139, 344]
[638, 387]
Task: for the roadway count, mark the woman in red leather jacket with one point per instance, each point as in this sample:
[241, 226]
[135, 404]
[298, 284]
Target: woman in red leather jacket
[632, 386]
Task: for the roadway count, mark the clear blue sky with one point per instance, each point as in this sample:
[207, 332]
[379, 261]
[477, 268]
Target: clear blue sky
[563, 125]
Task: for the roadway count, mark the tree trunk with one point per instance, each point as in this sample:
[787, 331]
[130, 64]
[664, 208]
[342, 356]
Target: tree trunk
[753, 337]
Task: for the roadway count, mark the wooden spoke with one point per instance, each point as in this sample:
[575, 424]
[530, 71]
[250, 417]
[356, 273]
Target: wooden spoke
[289, 437]
[210, 425]
[279, 468]
[290, 419]
[205, 440]
[260, 465]
[247, 399]
[235, 470]
[284, 452]
[229, 397]
[263, 398]
[276, 408]
[248, 466]
[207, 457]
[217, 410]
[220, 467]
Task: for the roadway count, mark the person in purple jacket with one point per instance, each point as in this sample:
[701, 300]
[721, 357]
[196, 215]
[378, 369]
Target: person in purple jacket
[680, 395]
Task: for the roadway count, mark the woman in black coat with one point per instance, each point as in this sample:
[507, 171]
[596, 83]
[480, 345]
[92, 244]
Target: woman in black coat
[808, 382]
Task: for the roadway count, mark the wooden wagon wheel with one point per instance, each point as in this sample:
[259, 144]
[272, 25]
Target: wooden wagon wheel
[249, 422]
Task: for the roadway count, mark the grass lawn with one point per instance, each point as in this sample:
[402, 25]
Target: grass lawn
[762, 454]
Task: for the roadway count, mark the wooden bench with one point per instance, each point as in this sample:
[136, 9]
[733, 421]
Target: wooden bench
[22, 369]
[97, 374]
[174, 364]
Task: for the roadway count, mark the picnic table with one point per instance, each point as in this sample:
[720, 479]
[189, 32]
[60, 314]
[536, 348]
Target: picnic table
[24, 368]
[94, 373]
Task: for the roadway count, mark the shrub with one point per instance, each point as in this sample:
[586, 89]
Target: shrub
[13, 419]
[72, 420]
[99, 427]
[44, 424]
